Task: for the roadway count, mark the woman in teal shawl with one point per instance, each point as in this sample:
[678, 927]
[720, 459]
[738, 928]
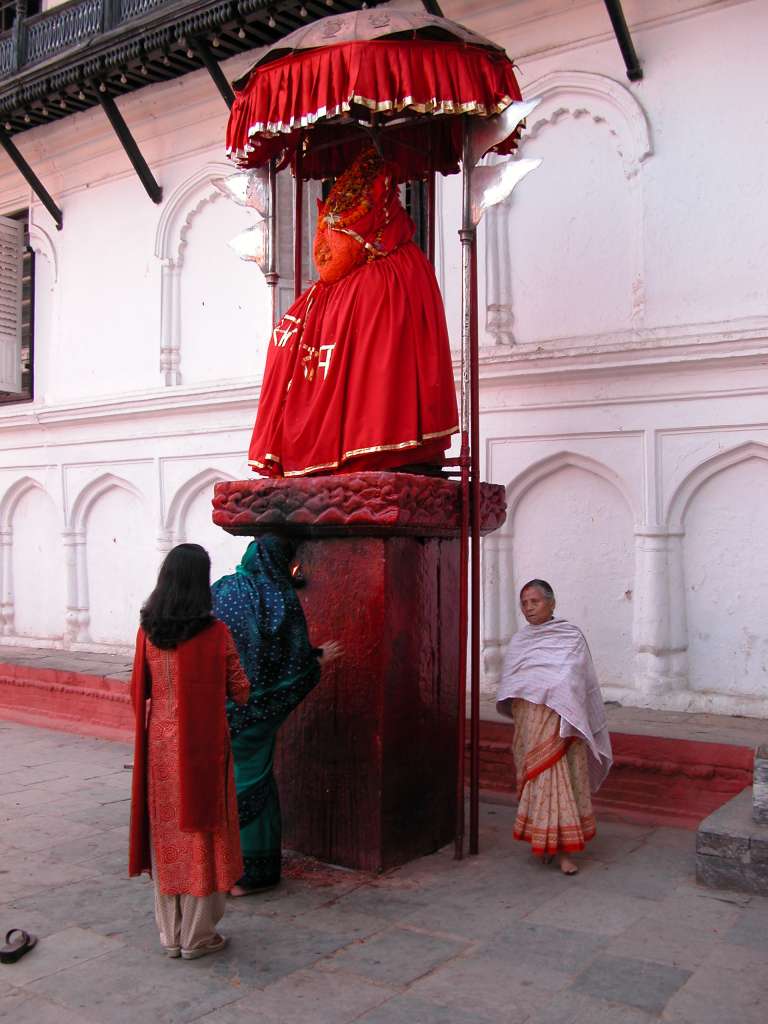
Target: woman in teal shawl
[259, 604]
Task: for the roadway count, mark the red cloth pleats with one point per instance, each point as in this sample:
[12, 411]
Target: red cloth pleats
[359, 374]
[418, 76]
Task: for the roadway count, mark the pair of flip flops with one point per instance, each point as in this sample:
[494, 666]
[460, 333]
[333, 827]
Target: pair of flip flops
[15, 948]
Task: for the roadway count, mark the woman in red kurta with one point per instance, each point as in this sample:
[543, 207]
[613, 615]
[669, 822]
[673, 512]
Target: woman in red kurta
[184, 821]
[359, 373]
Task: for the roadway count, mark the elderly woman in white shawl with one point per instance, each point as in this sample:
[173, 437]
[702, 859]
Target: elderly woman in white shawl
[561, 744]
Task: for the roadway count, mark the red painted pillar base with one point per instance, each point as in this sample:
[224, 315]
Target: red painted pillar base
[367, 764]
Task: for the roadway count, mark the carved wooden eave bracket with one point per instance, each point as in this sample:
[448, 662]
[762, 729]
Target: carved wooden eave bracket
[624, 39]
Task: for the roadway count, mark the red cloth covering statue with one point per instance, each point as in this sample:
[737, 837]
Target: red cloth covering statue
[359, 374]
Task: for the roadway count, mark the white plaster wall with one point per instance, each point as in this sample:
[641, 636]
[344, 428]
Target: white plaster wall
[105, 330]
[570, 269]
[575, 528]
[121, 564]
[726, 582]
[224, 320]
[37, 568]
[623, 398]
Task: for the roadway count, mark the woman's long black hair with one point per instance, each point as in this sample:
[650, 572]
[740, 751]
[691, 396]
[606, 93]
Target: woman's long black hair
[180, 605]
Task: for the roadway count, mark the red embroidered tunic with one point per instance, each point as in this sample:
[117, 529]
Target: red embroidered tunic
[359, 373]
[191, 863]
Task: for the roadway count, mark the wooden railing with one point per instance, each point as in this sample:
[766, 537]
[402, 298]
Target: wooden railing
[42, 36]
[58, 29]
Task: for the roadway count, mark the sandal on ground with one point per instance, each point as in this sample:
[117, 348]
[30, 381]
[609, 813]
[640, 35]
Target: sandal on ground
[172, 951]
[217, 943]
[15, 948]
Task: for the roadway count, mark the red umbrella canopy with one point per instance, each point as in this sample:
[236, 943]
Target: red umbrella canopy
[405, 77]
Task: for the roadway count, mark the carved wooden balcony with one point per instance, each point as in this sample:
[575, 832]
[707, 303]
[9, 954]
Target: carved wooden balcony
[56, 63]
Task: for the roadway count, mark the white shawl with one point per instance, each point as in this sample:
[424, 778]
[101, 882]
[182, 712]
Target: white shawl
[551, 664]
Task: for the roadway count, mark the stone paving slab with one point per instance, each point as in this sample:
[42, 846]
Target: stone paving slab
[494, 939]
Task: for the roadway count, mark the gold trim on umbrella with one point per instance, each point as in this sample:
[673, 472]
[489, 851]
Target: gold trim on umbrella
[432, 106]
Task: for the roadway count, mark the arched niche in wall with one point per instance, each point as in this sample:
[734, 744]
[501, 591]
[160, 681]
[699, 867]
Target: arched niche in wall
[33, 592]
[564, 255]
[114, 564]
[570, 520]
[721, 509]
[189, 520]
[214, 306]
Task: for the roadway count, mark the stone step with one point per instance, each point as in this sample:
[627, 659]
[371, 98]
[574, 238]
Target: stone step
[654, 779]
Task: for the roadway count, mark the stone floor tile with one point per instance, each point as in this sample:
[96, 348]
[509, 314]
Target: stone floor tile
[109, 815]
[544, 946]
[716, 995]
[104, 904]
[29, 797]
[570, 1007]
[648, 871]
[464, 918]
[288, 899]
[24, 1008]
[319, 997]
[665, 941]
[737, 958]
[751, 927]
[40, 833]
[91, 845]
[639, 983]
[397, 956]
[590, 910]
[264, 950]
[59, 951]
[404, 1009]
[130, 986]
[500, 937]
[244, 1011]
[26, 875]
[24, 777]
[334, 918]
[381, 902]
[476, 984]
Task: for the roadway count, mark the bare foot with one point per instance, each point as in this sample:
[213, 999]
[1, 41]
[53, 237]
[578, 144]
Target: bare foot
[240, 890]
[567, 866]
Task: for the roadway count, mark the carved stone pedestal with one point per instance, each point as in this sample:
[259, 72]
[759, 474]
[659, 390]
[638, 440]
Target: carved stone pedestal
[367, 763]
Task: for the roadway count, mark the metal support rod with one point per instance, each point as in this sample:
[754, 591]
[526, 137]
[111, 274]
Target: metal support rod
[432, 7]
[298, 222]
[474, 660]
[624, 39]
[271, 274]
[465, 234]
[31, 178]
[431, 190]
[213, 68]
[128, 143]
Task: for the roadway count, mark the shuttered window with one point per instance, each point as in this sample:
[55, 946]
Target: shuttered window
[16, 310]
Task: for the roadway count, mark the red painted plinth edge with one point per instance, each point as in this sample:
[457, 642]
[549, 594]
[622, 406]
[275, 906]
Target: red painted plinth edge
[367, 764]
[68, 701]
[353, 504]
[654, 780]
